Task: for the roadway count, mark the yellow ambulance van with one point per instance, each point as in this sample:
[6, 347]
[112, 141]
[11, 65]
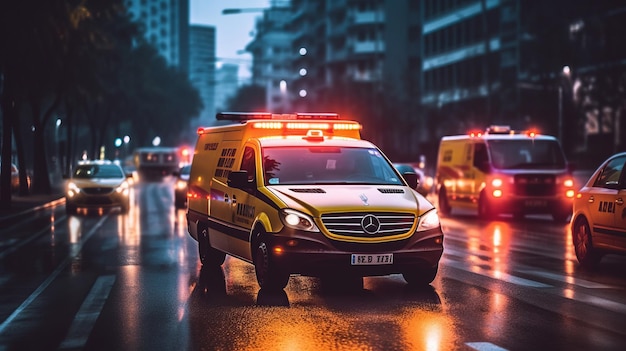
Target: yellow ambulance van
[304, 194]
[504, 171]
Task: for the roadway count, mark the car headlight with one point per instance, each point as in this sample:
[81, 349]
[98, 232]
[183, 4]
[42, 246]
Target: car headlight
[122, 188]
[181, 184]
[298, 220]
[428, 220]
[72, 189]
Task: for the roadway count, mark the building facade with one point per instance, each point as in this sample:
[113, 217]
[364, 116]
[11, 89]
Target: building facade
[202, 73]
[166, 26]
[414, 71]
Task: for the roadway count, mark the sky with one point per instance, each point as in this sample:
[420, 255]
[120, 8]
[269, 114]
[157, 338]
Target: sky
[233, 32]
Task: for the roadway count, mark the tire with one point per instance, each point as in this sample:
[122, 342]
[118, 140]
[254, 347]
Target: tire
[444, 205]
[208, 255]
[269, 277]
[420, 275]
[70, 209]
[587, 256]
[485, 210]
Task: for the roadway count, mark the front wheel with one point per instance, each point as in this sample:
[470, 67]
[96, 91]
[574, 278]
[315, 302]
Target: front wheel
[485, 210]
[444, 205]
[208, 255]
[420, 275]
[268, 275]
[583, 246]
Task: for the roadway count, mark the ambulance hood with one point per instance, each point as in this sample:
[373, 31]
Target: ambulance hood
[318, 199]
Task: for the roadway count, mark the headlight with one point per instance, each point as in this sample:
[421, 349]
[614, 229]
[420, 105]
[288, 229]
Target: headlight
[298, 220]
[122, 188]
[181, 184]
[429, 220]
[72, 189]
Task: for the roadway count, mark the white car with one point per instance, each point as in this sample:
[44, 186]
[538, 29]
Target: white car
[598, 222]
[97, 184]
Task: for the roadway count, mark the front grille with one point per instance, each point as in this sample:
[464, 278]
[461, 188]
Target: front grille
[535, 185]
[98, 191]
[351, 224]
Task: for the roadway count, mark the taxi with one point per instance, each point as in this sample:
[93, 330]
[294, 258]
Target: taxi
[598, 221]
[97, 184]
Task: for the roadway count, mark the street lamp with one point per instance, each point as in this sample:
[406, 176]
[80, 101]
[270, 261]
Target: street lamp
[565, 73]
[56, 144]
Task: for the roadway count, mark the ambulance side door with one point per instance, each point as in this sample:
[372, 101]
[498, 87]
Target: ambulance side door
[244, 204]
[220, 200]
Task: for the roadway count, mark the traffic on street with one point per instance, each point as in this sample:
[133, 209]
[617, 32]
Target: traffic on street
[104, 280]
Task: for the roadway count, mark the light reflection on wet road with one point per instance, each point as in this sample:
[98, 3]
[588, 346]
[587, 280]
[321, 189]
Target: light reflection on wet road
[506, 284]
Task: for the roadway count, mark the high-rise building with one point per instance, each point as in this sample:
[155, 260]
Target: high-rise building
[413, 71]
[202, 70]
[271, 51]
[166, 26]
[226, 84]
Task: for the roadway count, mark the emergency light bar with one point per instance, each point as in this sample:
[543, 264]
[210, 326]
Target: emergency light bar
[246, 116]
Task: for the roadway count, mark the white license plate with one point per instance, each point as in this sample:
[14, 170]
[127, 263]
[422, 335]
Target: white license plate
[363, 260]
[536, 203]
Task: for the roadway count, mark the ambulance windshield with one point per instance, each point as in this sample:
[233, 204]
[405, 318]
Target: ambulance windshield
[327, 165]
[526, 154]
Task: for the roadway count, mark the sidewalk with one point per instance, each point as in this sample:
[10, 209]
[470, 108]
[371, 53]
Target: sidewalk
[22, 205]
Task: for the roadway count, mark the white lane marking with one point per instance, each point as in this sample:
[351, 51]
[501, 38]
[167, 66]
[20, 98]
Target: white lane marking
[567, 279]
[449, 253]
[484, 346]
[52, 276]
[495, 274]
[88, 314]
[606, 304]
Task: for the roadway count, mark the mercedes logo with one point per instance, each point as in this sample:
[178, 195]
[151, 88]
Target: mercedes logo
[370, 224]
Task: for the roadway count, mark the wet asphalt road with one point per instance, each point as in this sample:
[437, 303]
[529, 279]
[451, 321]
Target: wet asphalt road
[106, 281]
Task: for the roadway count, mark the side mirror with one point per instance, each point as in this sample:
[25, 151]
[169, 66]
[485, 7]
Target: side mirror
[238, 180]
[412, 179]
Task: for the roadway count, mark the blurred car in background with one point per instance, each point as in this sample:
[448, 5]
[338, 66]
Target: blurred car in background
[598, 221]
[180, 187]
[15, 178]
[425, 184]
[97, 184]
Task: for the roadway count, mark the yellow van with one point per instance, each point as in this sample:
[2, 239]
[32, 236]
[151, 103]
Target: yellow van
[504, 171]
[304, 194]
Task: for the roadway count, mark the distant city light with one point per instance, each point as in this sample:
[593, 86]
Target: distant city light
[156, 141]
[126, 139]
[118, 142]
[302, 93]
[303, 72]
[283, 86]
[302, 51]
